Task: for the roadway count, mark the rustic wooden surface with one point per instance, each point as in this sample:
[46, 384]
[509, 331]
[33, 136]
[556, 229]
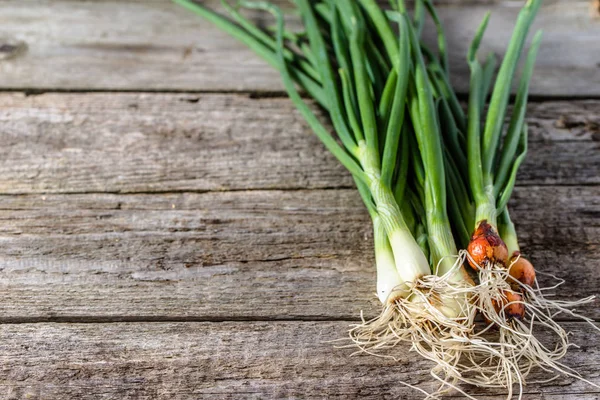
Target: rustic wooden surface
[175, 242]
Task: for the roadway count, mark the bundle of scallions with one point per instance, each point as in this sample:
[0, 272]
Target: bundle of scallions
[434, 178]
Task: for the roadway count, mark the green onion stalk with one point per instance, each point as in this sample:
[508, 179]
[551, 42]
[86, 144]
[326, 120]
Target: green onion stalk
[507, 294]
[492, 169]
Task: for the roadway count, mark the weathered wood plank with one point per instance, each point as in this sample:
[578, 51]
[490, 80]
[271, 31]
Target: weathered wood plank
[73, 143]
[156, 45]
[229, 361]
[254, 254]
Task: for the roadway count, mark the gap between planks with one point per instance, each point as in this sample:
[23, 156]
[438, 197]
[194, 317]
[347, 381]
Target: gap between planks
[132, 319]
[253, 190]
[255, 94]
[85, 319]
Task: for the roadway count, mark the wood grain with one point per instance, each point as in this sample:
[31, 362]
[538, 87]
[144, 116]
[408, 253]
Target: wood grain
[156, 45]
[240, 255]
[131, 143]
[228, 360]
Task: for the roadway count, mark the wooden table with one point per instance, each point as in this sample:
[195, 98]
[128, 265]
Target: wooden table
[171, 229]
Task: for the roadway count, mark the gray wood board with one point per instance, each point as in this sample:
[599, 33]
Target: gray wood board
[156, 45]
[241, 255]
[232, 360]
[126, 142]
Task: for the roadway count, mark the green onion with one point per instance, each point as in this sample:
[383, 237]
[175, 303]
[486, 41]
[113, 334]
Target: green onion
[428, 173]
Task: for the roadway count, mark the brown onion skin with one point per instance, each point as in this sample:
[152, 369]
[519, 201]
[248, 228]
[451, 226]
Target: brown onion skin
[486, 246]
[514, 310]
[521, 270]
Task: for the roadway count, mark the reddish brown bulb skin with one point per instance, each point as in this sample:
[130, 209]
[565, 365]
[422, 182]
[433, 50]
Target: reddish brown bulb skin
[480, 251]
[486, 247]
[522, 270]
[511, 303]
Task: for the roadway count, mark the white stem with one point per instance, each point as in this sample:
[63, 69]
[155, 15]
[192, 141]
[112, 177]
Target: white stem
[388, 280]
[411, 263]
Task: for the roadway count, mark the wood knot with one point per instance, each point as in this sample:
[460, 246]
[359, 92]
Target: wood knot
[11, 48]
[581, 126]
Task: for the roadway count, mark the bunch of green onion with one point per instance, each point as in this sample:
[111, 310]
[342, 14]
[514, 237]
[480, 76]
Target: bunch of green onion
[434, 178]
